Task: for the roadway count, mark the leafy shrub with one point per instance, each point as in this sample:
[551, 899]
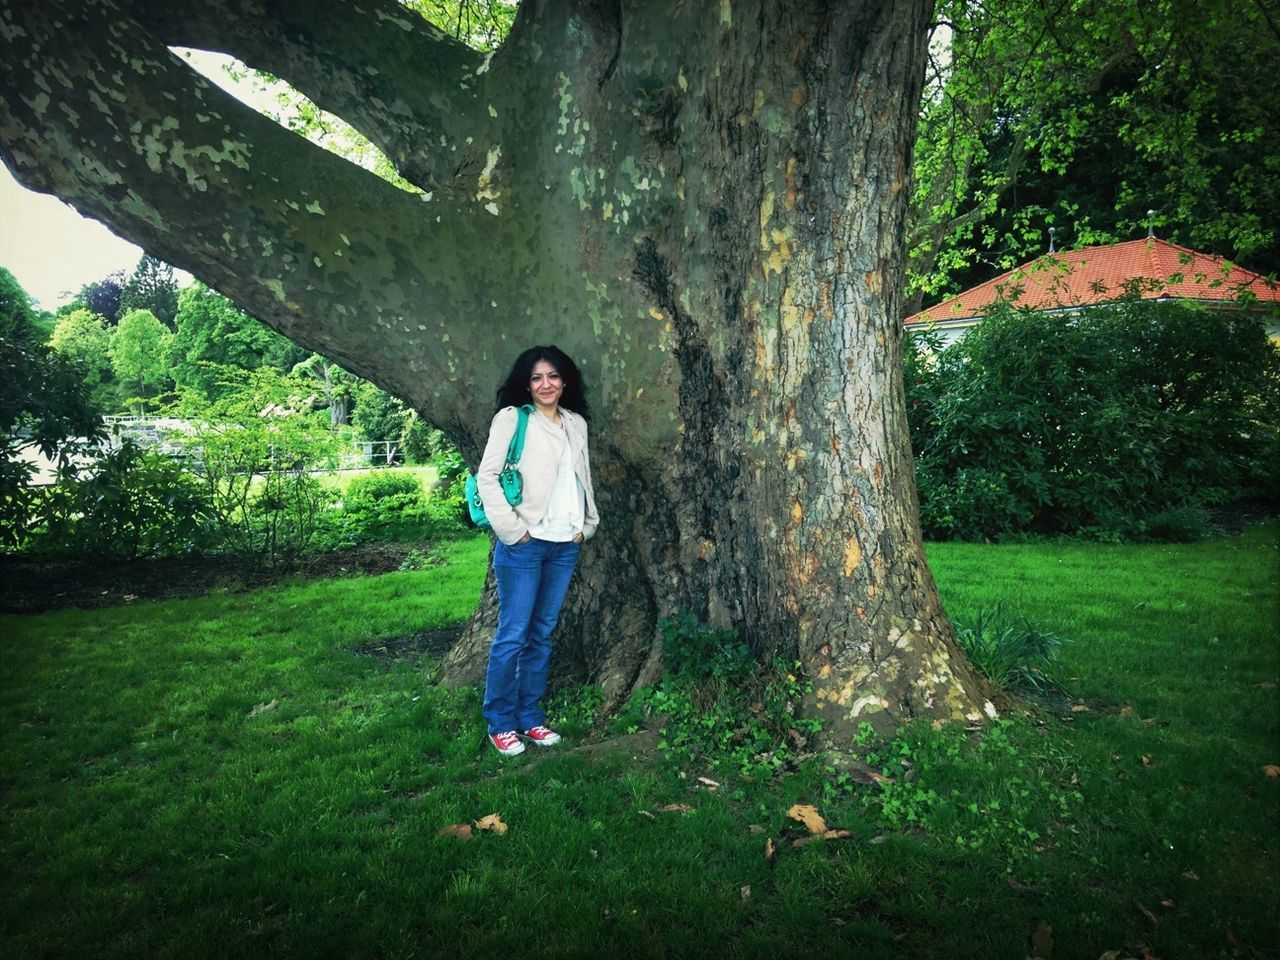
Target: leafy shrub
[717, 702]
[1091, 423]
[127, 504]
[1012, 652]
[44, 403]
[694, 651]
[258, 448]
[376, 486]
[1176, 525]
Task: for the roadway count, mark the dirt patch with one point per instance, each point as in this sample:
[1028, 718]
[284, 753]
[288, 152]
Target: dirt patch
[31, 586]
[425, 644]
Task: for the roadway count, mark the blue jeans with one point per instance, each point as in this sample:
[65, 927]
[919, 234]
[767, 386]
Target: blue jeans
[532, 580]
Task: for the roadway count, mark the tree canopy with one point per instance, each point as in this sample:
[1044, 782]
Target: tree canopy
[1086, 116]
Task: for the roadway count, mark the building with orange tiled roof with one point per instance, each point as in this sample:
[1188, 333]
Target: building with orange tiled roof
[1152, 269]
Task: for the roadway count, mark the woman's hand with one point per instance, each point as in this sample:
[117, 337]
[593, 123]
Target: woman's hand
[525, 539]
[577, 538]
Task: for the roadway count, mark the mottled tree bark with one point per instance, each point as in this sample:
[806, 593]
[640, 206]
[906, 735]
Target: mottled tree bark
[702, 203]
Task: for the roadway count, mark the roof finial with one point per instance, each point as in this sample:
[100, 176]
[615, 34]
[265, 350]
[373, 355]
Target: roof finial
[1151, 224]
[1052, 231]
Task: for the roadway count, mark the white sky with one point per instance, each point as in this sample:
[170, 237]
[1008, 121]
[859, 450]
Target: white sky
[52, 250]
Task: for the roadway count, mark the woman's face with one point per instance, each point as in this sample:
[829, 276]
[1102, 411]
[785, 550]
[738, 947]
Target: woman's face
[545, 384]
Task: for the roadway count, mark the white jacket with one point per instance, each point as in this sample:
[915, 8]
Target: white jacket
[539, 464]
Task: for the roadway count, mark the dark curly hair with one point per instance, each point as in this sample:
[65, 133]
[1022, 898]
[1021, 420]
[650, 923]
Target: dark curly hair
[514, 391]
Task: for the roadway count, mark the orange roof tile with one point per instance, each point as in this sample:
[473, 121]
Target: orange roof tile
[1154, 269]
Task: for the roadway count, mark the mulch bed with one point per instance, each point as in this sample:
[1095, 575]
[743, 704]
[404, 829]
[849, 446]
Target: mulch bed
[34, 586]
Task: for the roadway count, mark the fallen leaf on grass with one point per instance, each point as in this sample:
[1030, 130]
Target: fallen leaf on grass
[825, 835]
[1146, 953]
[646, 813]
[1146, 760]
[769, 851]
[1271, 770]
[1079, 708]
[460, 830]
[1041, 941]
[1126, 711]
[492, 822]
[1167, 903]
[745, 891]
[808, 814]
[1146, 913]
[263, 708]
[708, 782]
[675, 808]
[1264, 685]
[1190, 875]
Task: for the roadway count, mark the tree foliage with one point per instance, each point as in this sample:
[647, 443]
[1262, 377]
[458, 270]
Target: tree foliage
[258, 446]
[151, 287]
[1095, 422]
[335, 384]
[140, 348]
[44, 406]
[213, 332]
[101, 297]
[1084, 117]
[82, 338]
[378, 416]
[18, 316]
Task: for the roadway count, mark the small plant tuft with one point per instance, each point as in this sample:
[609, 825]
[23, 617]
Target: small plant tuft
[1013, 653]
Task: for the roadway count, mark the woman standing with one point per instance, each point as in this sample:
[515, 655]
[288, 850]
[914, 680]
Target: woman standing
[538, 541]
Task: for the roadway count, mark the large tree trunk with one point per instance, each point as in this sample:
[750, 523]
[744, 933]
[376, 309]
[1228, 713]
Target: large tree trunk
[702, 204]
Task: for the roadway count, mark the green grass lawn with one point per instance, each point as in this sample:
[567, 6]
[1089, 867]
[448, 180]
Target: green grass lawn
[224, 776]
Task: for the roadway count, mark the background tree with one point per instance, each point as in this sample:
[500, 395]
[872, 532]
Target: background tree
[83, 340]
[44, 404]
[705, 208]
[378, 416]
[151, 287]
[140, 349]
[213, 330]
[101, 297]
[335, 384]
[19, 319]
[1084, 118]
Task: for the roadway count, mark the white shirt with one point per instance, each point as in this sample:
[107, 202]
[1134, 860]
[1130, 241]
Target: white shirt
[567, 507]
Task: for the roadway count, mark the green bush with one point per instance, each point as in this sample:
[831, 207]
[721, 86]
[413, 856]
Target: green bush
[1094, 423]
[127, 504]
[1176, 525]
[718, 702]
[258, 449]
[378, 485]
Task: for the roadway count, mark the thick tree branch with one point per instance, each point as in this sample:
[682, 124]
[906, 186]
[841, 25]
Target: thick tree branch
[403, 83]
[128, 134]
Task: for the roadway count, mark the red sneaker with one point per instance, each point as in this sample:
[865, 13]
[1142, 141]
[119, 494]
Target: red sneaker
[542, 736]
[508, 744]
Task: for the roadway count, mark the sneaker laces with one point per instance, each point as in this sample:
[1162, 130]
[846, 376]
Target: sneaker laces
[505, 741]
